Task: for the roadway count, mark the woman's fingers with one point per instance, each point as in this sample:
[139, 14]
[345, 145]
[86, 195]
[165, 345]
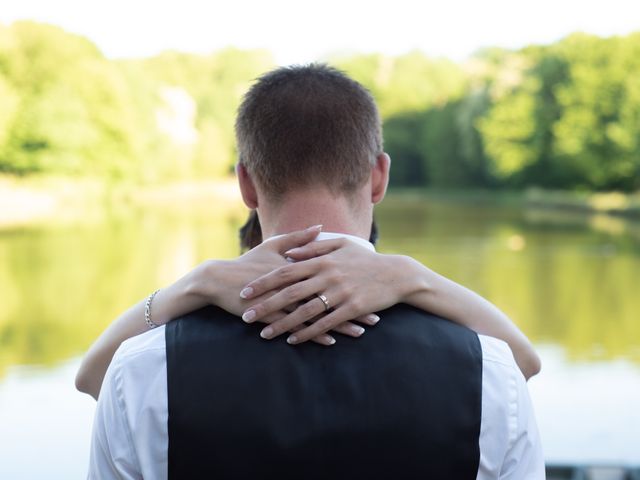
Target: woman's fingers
[274, 317]
[324, 324]
[296, 239]
[323, 339]
[315, 311]
[279, 301]
[346, 328]
[294, 272]
[315, 249]
[369, 319]
[279, 278]
[303, 313]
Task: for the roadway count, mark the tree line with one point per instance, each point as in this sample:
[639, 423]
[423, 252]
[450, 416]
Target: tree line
[561, 116]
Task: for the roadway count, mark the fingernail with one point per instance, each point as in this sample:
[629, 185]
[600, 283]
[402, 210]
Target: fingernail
[292, 339]
[315, 227]
[289, 252]
[248, 315]
[357, 330]
[246, 292]
[266, 332]
[332, 340]
[374, 318]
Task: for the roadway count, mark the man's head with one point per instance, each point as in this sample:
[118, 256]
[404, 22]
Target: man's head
[309, 129]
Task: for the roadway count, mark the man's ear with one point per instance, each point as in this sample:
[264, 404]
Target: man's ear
[380, 177]
[247, 187]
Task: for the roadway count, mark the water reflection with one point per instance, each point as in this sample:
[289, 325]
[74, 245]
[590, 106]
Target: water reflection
[569, 281]
[62, 284]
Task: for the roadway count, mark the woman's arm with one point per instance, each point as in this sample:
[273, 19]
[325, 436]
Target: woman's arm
[355, 279]
[446, 298]
[168, 303]
[214, 282]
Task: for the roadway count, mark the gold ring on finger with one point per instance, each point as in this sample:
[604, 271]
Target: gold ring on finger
[324, 300]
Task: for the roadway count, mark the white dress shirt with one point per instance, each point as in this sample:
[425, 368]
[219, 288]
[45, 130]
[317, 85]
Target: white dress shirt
[130, 431]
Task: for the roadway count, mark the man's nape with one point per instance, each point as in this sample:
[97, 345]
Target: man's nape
[349, 212]
[251, 232]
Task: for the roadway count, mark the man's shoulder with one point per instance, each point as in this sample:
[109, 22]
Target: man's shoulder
[132, 409]
[151, 343]
[500, 377]
[138, 367]
[496, 351]
[508, 437]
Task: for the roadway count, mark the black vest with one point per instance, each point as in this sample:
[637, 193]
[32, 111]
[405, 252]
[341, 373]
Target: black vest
[402, 401]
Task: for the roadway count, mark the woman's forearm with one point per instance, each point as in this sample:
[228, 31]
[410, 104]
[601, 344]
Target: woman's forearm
[434, 293]
[170, 302]
[365, 281]
[213, 282]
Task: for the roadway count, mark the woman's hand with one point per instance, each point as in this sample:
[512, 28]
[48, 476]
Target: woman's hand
[354, 280]
[212, 282]
[219, 283]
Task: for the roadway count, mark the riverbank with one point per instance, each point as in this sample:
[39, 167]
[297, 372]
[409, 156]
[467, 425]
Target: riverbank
[609, 203]
[37, 199]
[34, 199]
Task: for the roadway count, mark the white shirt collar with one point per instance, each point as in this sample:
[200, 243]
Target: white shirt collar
[331, 235]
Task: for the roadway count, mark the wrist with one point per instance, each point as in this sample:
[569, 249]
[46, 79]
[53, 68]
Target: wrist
[160, 306]
[200, 284]
[413, 282]
[187, 294]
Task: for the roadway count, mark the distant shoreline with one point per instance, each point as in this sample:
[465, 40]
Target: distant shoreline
[605, 203]
[25, 201]
[32, 200]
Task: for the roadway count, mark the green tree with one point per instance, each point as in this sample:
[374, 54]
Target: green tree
[402, 134]
[570, 120]
[597, 134]
[407, 83]
[76, 111]
[216, 83]
[564, 115]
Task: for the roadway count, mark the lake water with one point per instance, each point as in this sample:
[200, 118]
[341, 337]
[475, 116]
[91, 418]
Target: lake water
[570, 282]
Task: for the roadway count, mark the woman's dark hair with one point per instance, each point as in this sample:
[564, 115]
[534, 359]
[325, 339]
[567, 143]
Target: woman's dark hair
[251, 232]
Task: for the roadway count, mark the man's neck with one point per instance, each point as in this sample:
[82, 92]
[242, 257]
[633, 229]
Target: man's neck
[299, 211]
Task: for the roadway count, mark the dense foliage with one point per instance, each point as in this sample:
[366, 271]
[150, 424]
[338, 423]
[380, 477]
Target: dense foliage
[566, 115]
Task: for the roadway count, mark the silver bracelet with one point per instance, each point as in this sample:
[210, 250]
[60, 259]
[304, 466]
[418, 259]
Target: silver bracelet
[147, 310]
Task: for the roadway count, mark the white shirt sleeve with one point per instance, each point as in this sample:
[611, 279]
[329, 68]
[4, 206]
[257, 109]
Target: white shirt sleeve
[524, 459]
[510, 447]
[112, 452]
